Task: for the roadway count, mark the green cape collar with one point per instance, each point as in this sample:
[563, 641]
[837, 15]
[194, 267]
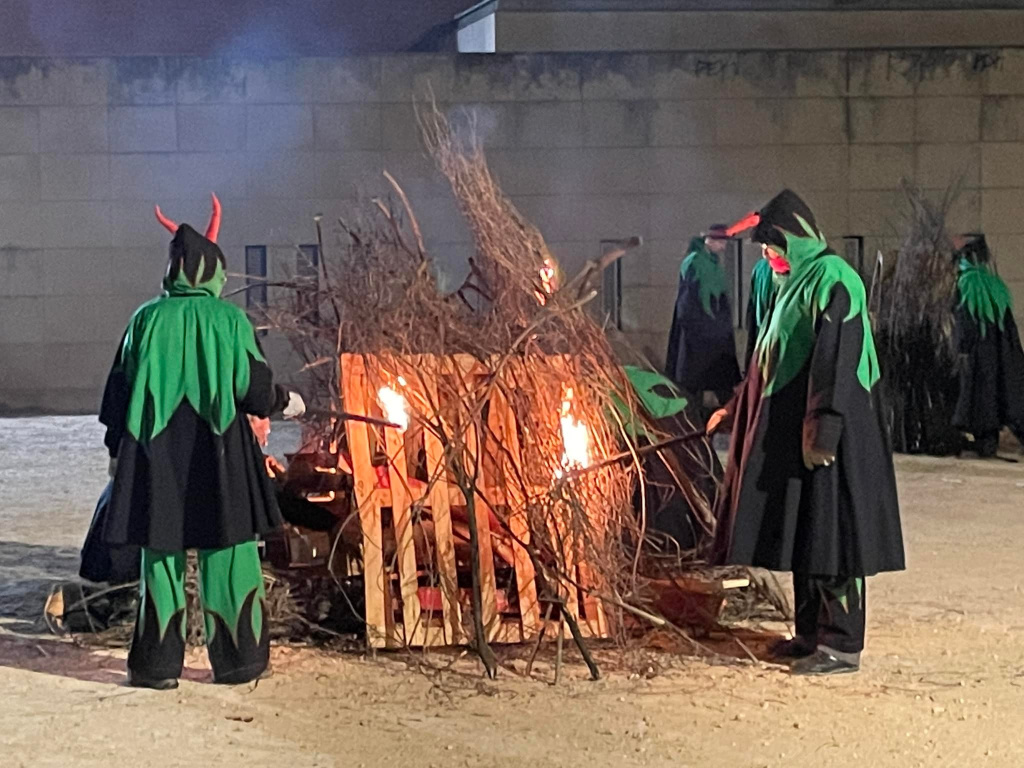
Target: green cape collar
[701, 266]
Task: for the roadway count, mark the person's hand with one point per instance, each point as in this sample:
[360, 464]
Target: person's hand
[274, 468]
[260, 429]
[814, 458]
[821, 440]
[716, 420]
[112, 468]
[296, 407]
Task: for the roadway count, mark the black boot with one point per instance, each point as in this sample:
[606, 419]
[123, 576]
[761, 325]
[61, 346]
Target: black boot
[987, 445]
[797, 648]
[137, 681]
[824, 662]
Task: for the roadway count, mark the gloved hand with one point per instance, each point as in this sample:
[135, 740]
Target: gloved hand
[112, 468]
[716, 420]
[296, 407]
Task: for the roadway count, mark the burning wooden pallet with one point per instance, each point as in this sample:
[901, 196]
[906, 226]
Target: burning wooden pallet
[422, 597]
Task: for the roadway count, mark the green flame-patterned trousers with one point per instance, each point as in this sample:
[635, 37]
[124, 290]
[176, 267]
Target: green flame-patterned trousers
[830, 611]
[231, 591]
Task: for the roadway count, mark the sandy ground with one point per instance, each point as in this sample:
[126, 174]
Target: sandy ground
[942, 684]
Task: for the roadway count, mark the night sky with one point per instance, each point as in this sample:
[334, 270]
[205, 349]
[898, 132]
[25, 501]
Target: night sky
[217, 27]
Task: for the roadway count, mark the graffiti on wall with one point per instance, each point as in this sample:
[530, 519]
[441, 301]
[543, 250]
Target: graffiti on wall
[936, 64]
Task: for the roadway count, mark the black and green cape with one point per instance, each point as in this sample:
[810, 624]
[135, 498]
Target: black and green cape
[991, 359]
[814, 368]
[701, 353]
[189, 471]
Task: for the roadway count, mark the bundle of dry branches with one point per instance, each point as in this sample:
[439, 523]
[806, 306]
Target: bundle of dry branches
[914, 325]
[523, 324]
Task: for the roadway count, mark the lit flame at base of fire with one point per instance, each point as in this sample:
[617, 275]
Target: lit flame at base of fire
[547, 281]
[396, 409]
[575, 439]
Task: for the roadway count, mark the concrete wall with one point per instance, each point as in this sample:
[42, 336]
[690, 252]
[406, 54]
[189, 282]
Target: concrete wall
[722, 30]
[590, 146]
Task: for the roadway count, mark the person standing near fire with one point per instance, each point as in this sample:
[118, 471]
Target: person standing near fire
[810, 486]
[187, 470]
[701, 353]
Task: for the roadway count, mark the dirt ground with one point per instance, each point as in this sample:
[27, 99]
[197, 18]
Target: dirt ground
[942, 684]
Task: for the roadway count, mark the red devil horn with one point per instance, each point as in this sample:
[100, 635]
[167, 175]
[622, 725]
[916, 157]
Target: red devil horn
[168, 224]
[214, 227]
[747, 222]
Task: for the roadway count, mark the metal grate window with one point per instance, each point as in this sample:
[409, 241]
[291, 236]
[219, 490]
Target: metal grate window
[307, 262]
[749, 254]
[611, 290]
[307, 270]
[734, 273]
[853, 252]
[255, 276]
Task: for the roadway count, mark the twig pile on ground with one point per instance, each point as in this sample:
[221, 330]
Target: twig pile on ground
[914, 325]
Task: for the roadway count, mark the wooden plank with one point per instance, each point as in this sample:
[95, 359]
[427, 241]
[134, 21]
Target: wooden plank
[492, 459]
[526, 577]
[377, 590]
[455, 497]
[593, 610]
[488, 582]
[561, 544]
[708, 586]
[401, 514]
[440, 508]
[455, 370]
[429, 636]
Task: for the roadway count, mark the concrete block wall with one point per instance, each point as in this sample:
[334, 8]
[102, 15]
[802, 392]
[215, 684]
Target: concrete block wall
[590, 146]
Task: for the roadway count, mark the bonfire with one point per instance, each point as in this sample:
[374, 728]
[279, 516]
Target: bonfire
[492, 421]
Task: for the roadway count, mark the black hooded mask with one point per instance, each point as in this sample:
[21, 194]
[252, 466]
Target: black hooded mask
[191, 251]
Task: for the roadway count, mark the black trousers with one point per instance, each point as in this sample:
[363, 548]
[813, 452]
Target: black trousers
[830, 611]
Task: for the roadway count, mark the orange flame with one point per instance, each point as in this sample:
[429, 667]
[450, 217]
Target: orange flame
[575, 438]
[547, 281]
[396, 409]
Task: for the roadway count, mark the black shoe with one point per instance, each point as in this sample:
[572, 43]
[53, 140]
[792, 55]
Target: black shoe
[797, 648]
[137, 681]
[822, 663]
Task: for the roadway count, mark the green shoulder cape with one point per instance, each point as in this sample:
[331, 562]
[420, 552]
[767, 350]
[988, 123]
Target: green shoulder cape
[787, 340]
[984, 295]
[762, 287]
[187, 345]
[701, 266]
[658, 396]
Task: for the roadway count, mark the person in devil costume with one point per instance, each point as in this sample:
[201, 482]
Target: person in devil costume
[810, 486]
[701, 353]
[991, 359]
[187, 471]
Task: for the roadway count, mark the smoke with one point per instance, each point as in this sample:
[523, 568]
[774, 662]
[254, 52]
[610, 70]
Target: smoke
[473, 124]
